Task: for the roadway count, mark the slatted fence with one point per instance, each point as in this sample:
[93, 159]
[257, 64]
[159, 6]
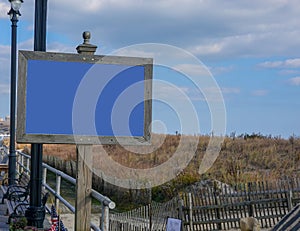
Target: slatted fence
[150, 217]
[218, 208]
[215, 208]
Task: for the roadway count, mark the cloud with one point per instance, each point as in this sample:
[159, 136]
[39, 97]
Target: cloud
[207, 28]
[216, 70]
[294, 81]
[225, 90]
[230, 90]
[26, 45]
[5, 64]
[213, 30]
[259, 92]
[193, 69]
[182, 94]
[209, 49]
[4, 89]
[87, 6]
[4, 8]
[289, 63]
[60, 47]
[169, 92]
[289, 72]
[5, 51]
[135, 52]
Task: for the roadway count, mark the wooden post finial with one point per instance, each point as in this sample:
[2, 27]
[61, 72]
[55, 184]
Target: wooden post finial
[86, 37]
[86, 48]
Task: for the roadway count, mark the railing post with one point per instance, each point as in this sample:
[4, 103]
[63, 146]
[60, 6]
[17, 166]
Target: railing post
[58, 183]
[44, 181]
[27, 164]
[21, 163]
[104, 218]
[17, 164]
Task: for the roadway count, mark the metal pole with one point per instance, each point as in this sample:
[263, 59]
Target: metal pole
[105, 219]
[35, 214]
[57, 188]
[40, 25]
[12, 149]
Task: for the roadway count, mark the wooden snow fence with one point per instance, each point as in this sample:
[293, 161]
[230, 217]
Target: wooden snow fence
[222, 207]
[215, 207]
[146, 218]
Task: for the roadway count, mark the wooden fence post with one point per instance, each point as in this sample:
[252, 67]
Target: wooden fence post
[190, 211]
[84, 174]
[180, 212]
[289, 196]
[149, 190]
[218, 212]
[83, 200]
[251, 212]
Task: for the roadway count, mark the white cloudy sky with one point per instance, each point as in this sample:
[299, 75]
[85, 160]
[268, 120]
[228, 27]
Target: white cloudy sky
[251, 48]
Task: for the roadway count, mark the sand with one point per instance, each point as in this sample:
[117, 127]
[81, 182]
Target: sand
[68, 220]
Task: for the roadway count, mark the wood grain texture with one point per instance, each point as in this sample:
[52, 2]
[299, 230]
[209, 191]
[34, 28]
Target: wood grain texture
[83, 188]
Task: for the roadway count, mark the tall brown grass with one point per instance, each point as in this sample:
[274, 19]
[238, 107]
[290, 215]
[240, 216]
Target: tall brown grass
[241, 159]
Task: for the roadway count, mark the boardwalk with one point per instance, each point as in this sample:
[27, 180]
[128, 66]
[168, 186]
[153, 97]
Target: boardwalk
[3, 218]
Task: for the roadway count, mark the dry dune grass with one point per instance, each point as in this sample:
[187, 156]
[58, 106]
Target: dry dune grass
[240, 160]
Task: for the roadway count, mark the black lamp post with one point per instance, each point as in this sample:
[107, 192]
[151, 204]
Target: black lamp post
[14, 13]
[35, 213]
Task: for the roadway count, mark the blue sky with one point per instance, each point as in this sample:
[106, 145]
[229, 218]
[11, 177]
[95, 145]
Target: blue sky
[251, 49]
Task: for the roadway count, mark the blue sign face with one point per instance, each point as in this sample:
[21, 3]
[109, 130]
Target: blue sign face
[60, 98]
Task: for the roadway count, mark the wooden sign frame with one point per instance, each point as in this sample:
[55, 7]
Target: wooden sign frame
[43, 75]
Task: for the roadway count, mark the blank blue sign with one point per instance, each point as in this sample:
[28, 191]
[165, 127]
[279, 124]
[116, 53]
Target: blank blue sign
[82, 98]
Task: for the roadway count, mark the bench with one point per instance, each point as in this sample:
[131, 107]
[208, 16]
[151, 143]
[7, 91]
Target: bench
[18, 209]
[18, 191]
[16, 196]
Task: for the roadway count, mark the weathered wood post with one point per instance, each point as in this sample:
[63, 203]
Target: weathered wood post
[289, 196]
[150, 207]
[251, 210]
[218, 211]
[180, 212]
[84, 174]
[190, 211]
